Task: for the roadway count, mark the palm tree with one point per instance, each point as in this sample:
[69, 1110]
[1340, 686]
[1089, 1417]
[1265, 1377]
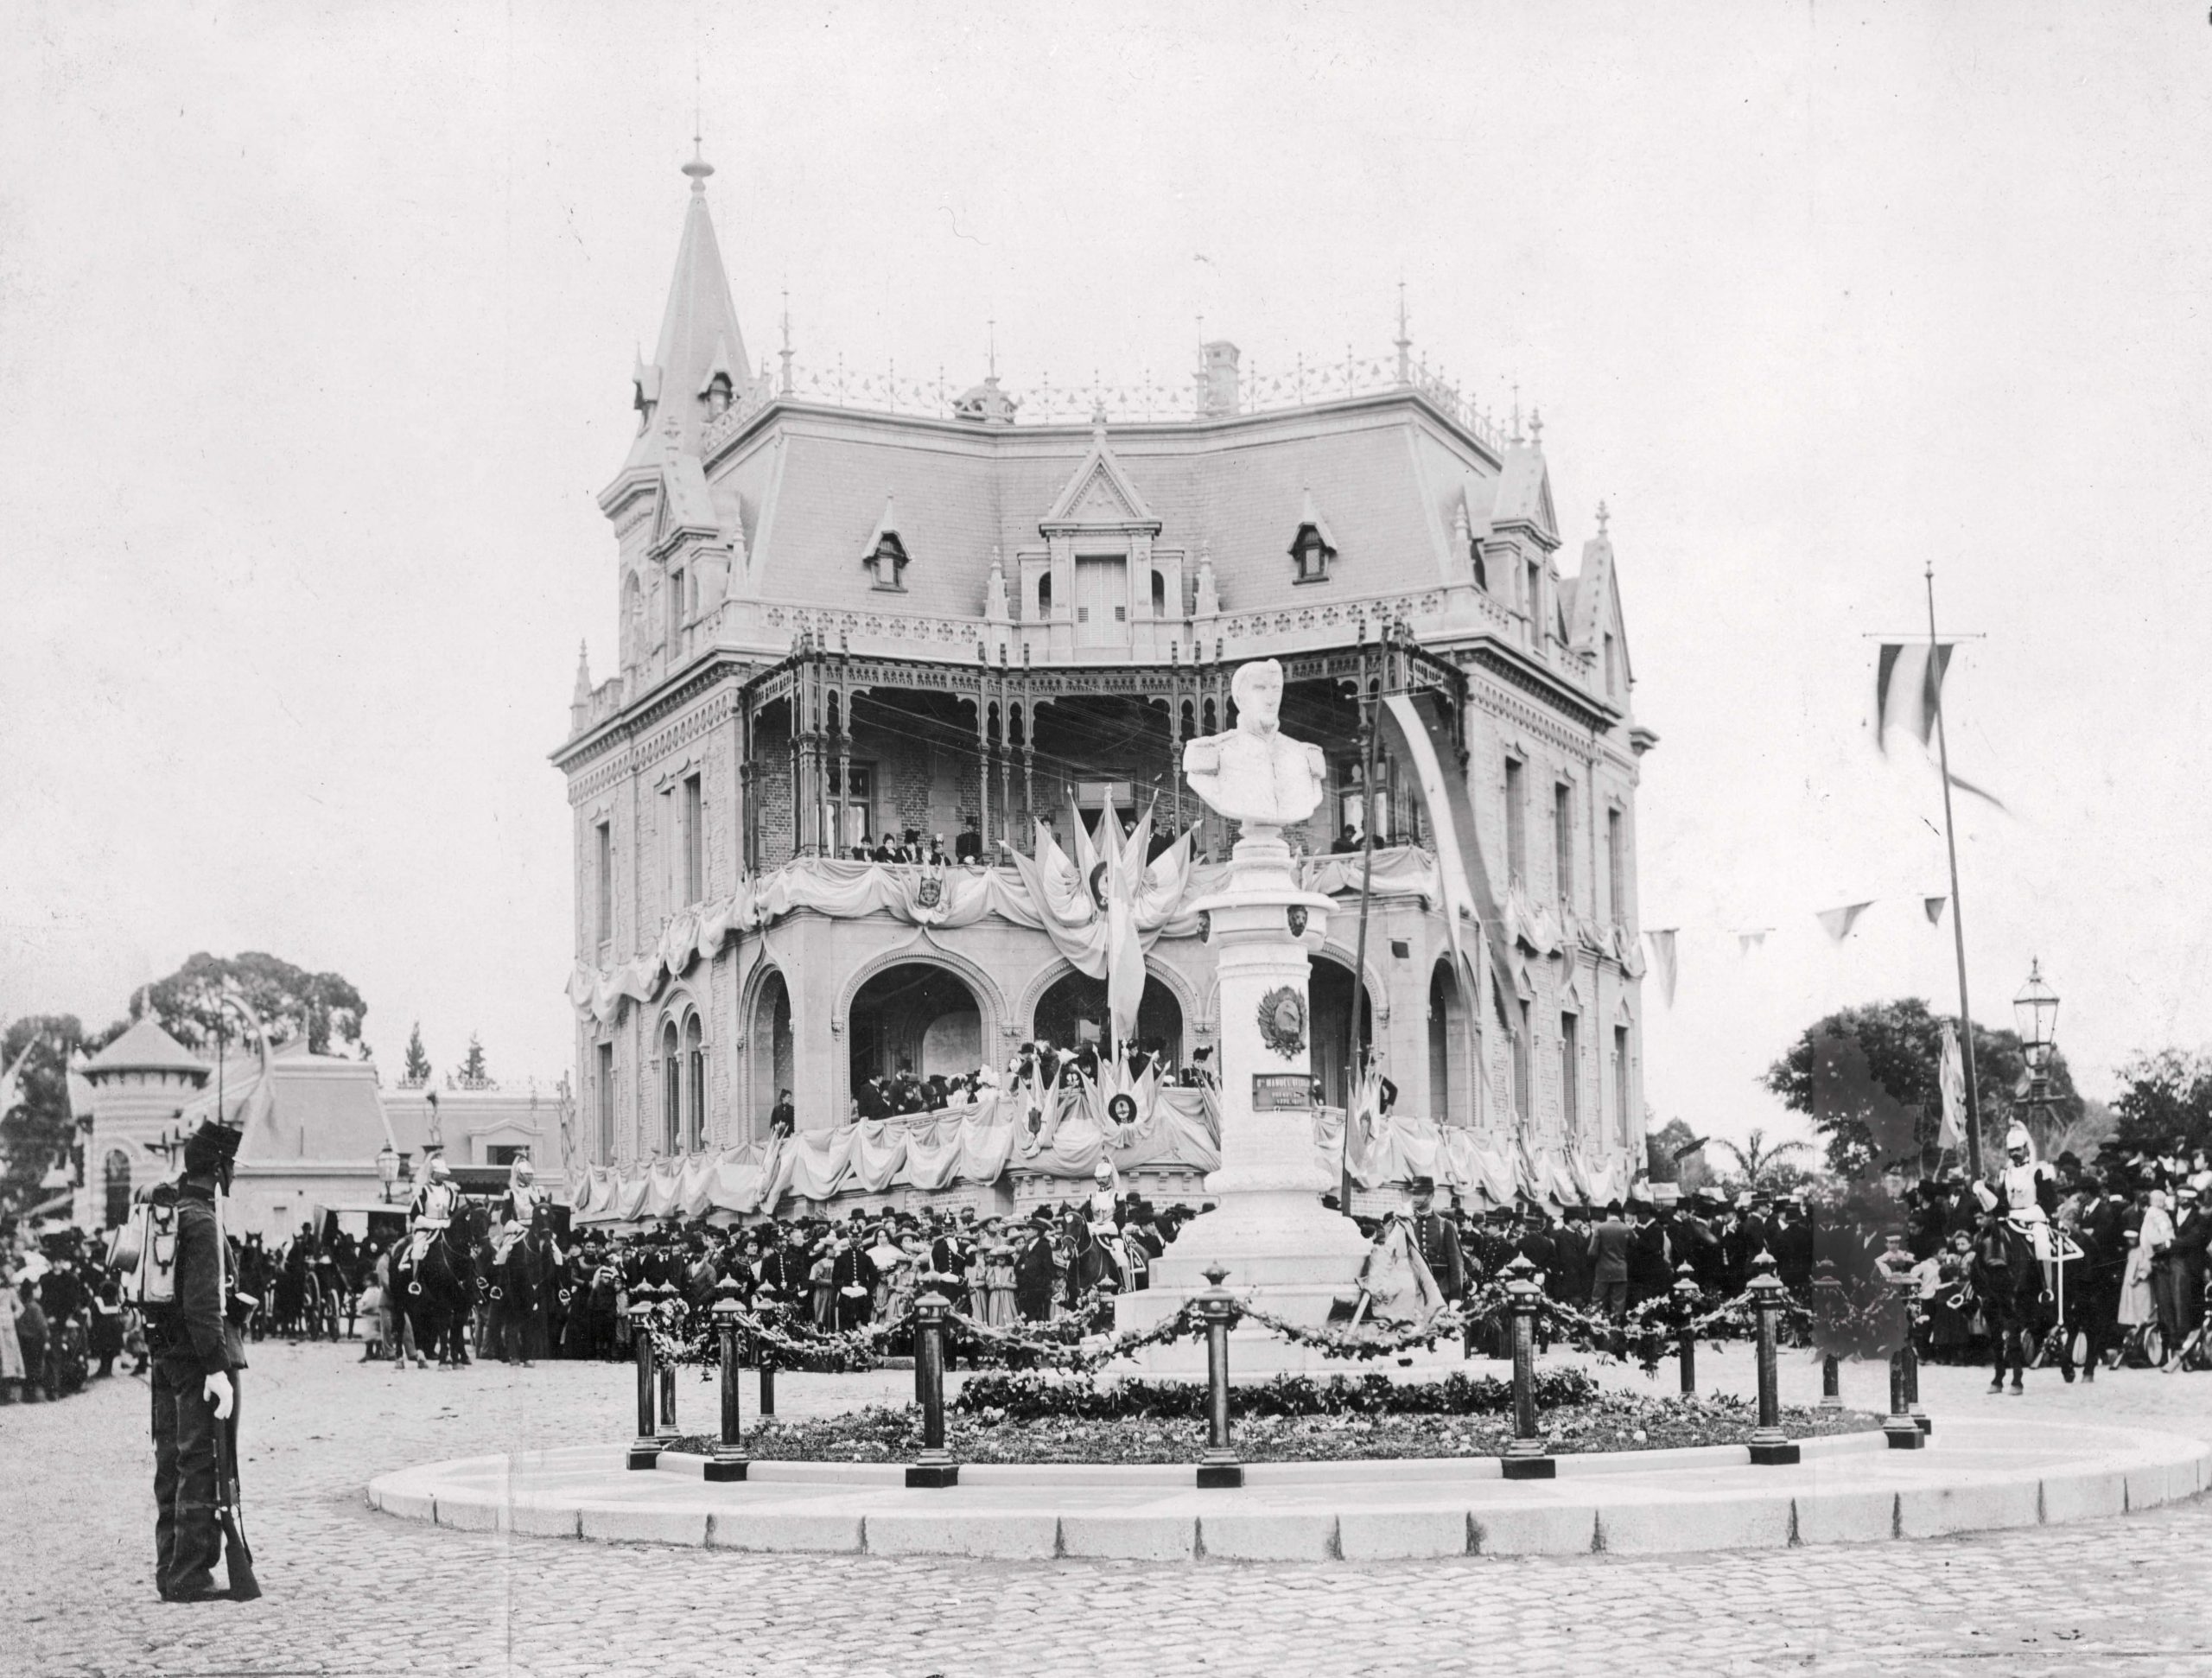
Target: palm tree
[1756, 1158]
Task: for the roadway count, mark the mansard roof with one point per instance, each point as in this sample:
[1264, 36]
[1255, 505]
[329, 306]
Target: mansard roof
[820, 477]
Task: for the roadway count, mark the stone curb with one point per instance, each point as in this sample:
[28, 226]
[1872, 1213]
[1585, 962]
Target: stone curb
[1855, 1495]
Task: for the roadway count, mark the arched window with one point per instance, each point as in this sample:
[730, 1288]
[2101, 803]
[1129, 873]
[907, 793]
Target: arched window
[672, 1077]
[1044, 596]
[694, 1074]
[1158, 596]
[115, 1176]
[633, 619]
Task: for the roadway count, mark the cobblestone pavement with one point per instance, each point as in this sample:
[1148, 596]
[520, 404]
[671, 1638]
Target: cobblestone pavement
[351, 1592]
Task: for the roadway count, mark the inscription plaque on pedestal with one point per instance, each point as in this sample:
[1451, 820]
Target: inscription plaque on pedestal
[1281, 1092]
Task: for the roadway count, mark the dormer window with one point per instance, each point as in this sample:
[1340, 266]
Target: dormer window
[1313, 547]
[888, 560]
[718, 395]
[1312, 554]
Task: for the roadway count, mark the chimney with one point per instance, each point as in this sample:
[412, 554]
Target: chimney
[1221, 377]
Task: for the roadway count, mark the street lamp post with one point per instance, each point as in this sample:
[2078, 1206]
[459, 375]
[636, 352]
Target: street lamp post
[2035, 1016]
[388, 1169]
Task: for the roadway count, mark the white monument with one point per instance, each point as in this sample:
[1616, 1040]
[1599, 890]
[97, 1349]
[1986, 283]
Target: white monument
[1280, 1246]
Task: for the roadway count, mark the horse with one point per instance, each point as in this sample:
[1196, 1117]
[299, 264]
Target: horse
[1092, 1263]
[439, 1293]
[2008, 1281]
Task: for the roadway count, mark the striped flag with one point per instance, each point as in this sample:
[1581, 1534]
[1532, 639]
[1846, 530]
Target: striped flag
[1951, 1078]
[1908, 693]
[11, 1081]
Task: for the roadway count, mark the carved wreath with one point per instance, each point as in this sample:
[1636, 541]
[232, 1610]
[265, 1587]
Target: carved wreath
[1283, 1021]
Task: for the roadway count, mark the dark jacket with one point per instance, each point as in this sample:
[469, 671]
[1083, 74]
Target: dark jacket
[1033, 1277]
[1609, 1248]
[1437, 1238]
[193, 1331]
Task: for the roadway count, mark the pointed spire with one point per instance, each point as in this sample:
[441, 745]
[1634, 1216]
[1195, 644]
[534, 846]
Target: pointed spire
[1603, 514]
[1404, 340]
[584, 671]
[699, 336]
[1536, 427]
[1517, 438]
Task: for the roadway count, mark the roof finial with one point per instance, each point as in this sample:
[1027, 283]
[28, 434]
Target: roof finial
[1516, 413]
[786, 353]
[1098, 418]
[1603, 515]
[1404, 340]
[1536, 427]
[698, 168]
[991, 347]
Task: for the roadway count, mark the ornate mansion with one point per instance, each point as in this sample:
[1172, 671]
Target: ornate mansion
[855, 614]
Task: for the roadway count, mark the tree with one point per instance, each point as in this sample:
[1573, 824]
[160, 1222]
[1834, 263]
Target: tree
[473, 1074]
[416, 1072]
[290, 1001]
[1866, 1078]
[2165, 1098]
[1675, 1154]
[1759, 1160]
[37, 1132]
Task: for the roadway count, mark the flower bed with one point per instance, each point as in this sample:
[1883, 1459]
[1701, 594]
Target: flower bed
[1161, 1429]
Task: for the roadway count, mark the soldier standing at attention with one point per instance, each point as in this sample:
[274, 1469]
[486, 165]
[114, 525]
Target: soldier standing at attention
[195, 1351]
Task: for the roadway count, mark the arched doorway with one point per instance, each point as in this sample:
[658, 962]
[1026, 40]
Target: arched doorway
[672, 1089]
[1452, 1084]
[915, 1016]
[769, 1040]
[1328, 997]
[1075, 1006]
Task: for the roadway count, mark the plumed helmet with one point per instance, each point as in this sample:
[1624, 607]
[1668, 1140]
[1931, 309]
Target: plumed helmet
[2017, 1140]
[440, 1171]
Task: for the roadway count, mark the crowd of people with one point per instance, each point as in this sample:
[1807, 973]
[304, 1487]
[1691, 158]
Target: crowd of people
[1032, 1070]
[63, 1322]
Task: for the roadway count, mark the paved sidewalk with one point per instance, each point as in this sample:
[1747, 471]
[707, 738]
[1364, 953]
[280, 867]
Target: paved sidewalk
[351, 1592]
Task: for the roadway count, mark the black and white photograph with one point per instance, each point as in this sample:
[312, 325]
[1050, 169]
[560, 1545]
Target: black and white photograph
[874, 840]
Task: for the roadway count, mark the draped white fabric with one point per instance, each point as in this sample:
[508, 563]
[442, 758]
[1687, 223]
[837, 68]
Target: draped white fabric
[1398, 1147]
[1045, 894]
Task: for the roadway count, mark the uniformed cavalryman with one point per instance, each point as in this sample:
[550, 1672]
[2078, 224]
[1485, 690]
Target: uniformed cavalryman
[196, 1352]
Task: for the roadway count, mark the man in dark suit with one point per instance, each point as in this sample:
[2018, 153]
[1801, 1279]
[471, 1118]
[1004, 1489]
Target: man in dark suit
[852, 1283]
[1609, 1252]
[1650, 1275]
[1035, 1273]
[1436, 1237]
[783, 1117]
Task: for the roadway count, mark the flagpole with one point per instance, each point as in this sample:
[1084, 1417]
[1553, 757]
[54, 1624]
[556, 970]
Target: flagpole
[1958, 910]
[1355, 1073]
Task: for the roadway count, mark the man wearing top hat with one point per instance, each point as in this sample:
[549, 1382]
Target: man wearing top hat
[195, 1352]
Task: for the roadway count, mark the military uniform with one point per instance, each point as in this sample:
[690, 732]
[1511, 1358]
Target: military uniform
[190, 1340]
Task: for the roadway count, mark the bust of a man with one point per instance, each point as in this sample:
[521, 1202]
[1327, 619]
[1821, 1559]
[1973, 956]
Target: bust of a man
[1256, 773]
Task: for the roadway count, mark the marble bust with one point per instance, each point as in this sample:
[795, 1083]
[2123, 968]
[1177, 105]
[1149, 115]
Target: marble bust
[1255, 773]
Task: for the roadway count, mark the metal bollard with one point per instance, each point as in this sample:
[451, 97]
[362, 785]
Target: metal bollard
[644, 1451]
[729, 1462]
[1770, 1446]
[1898, 1428]
[1827, 1308]
[935, 1465]
[1219, 1468]
[666, 1300]
[767, 1382]
[1528, 1457]
[1920, 1417]
[1686, 1297]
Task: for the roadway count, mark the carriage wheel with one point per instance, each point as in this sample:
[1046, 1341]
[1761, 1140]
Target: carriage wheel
[2078, 1350]
[2152, 1345]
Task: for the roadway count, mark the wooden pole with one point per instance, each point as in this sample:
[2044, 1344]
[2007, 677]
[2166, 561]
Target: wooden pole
[1958, 909]
[1355, 1069]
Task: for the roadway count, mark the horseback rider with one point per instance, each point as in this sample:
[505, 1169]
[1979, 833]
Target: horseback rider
[2031, 1192]
[435, 1202]
[524, 1197]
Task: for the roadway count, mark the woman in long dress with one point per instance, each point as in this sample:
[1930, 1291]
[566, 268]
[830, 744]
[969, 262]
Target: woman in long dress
[998, 1281]
[2136, 1303]
[1395, 1279]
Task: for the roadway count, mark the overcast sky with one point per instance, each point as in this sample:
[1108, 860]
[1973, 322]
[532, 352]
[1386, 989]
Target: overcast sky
[317, 324]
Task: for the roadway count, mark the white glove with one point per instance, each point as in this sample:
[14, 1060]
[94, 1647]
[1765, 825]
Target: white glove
[216, 1390]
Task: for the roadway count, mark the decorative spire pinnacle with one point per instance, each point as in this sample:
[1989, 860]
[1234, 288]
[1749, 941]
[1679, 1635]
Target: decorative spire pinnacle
[698, 168]
[1404, 340]
[583, 673]
[1603, 515]
[1517, 414]
[1536, 427]
[991, 347]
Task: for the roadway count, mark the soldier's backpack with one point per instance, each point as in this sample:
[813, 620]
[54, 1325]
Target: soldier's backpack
[145, 1252]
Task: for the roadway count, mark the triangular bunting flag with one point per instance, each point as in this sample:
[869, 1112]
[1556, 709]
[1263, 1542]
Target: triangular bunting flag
[1838, 923]
[1751, 939]
[1933, 906]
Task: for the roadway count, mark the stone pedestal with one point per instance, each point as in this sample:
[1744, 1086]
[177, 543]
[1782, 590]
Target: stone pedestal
[1280, 1246]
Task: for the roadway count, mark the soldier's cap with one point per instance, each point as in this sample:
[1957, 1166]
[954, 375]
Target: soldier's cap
[1421, 1186]
[212, 1146]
